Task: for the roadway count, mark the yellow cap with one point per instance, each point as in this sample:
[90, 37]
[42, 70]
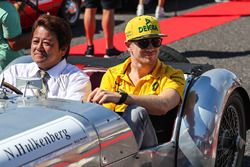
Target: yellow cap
[143, 27]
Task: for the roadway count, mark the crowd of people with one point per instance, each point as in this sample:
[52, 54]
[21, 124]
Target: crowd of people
[139, 87]
[13, 41]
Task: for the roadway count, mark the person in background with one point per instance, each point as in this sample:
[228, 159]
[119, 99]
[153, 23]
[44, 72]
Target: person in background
[12, 41]
[108, 7]
[159, 11]
[141, 85]
[50, 44]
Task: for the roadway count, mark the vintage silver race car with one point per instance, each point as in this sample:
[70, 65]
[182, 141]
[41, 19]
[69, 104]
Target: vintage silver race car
[208, 129]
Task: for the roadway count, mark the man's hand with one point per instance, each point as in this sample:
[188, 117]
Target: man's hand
[101, 96]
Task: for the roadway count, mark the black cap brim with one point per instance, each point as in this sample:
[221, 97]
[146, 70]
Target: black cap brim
[149, 36]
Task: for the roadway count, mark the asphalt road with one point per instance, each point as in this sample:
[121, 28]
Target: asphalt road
[226, 46]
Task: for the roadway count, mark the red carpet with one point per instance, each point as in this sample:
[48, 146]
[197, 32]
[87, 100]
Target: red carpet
[184, 25]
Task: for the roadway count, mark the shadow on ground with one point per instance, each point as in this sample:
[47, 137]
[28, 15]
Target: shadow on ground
[170, 5]
[129, 6]
[215, 54]
[78, 30]
[246, 161]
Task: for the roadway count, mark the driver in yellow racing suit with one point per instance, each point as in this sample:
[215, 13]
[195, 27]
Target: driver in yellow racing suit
[142, 85]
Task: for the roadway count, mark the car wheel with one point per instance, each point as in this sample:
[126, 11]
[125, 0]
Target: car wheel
[70, 11]
[232, 134]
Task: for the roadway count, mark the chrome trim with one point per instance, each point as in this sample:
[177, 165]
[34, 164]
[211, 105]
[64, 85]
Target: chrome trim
[159, 156]
[108, 136]
[205, 102]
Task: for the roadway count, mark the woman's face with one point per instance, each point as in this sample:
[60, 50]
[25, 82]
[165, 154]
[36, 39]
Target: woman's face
[45, 48]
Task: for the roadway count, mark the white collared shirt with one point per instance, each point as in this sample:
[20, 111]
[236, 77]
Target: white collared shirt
[66, 81]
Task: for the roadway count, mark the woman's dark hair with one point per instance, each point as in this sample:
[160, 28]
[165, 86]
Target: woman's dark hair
[58, 26]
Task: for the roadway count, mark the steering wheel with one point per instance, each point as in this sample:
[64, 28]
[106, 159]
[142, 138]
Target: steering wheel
[11, 87]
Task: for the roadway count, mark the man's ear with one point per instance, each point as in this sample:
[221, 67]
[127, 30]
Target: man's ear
[127, 44]
[64, 48]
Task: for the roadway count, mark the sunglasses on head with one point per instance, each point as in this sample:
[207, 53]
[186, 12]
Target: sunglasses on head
[144, 43]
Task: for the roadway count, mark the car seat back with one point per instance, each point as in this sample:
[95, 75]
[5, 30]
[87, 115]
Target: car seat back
[164, 125]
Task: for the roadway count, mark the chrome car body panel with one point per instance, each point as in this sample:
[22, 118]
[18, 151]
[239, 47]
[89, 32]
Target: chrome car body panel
[202, 113]
[156, 157]
[101, 137]
[37, 134]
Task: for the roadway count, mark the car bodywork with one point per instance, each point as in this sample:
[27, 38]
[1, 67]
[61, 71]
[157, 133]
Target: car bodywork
[67, 9]
[210, 124]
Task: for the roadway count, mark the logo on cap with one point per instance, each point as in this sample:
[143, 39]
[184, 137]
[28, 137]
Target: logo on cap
[142, 27]
[148, 27]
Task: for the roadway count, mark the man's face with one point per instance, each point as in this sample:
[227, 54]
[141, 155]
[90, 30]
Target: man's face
[45, 48]
[143, 51]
